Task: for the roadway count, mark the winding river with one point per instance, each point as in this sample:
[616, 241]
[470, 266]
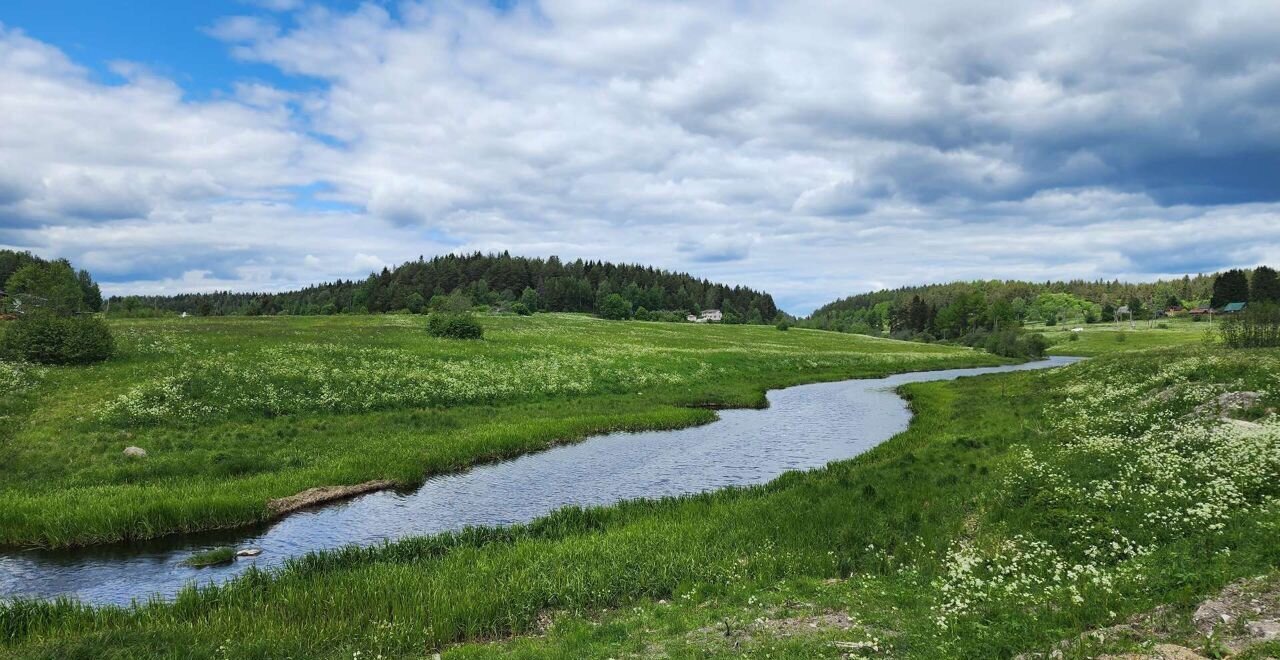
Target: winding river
[804, 427]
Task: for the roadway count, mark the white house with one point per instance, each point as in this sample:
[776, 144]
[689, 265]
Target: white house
[712, 315]
[691, 318]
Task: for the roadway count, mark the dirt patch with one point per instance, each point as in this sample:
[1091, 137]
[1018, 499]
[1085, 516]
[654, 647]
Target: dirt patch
[1241, 616]
[322, 494]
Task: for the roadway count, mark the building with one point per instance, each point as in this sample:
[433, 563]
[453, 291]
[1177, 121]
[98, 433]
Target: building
[1201, 311]
[1232, 308]
[691, 318]
[710, 315]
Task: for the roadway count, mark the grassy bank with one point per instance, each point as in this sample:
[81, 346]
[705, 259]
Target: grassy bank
[1017, 511]
[234, 412]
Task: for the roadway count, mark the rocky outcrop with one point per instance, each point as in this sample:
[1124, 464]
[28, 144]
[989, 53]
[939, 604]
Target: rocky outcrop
[322, 494]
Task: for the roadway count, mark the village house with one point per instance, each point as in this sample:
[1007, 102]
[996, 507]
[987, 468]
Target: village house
[707, 315]
[1232, 308]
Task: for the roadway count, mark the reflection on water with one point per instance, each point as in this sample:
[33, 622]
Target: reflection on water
[804, 427]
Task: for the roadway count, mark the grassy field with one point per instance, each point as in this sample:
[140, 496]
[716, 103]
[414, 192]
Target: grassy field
[1017, 511]
[234, 412]
[1101, 338]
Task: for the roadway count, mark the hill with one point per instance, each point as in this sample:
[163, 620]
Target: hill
[497, 280]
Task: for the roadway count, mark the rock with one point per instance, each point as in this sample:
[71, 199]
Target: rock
[135, 452]
[1264, 630]
[1211, 614]
[248, 552]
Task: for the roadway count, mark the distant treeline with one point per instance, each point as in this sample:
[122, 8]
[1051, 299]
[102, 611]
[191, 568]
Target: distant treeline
[957, 309]
[496, 280]
[27, 280]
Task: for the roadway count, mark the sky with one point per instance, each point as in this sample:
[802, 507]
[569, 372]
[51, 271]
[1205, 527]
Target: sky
[810, 149]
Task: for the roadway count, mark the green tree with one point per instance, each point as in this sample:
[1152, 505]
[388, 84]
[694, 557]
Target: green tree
[1231, 286]
[529, 298]
[53, 283]
[1265, 287]
[615, 307]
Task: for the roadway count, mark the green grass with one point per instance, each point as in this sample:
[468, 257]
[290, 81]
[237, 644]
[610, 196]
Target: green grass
[234, 412]
[214, 557]
[1103, 338]
[985, 529]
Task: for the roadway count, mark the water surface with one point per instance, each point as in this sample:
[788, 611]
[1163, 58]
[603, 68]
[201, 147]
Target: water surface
[804, 427]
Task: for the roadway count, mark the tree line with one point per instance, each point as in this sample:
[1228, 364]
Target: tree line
[956, 310]
[498, 281]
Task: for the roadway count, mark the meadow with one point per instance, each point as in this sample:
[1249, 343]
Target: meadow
[234, 412]
[1017, 511]
[1099, 338]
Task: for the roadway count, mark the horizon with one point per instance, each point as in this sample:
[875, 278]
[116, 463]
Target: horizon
[806, 151]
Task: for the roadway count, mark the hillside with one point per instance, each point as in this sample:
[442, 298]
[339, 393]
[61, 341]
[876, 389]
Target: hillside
[956, 309]
[496, 280]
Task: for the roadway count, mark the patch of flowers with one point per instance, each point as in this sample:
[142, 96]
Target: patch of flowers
[1133, 463]
[18, 377]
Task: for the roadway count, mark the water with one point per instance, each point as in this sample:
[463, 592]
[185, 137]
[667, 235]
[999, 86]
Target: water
[804, 427]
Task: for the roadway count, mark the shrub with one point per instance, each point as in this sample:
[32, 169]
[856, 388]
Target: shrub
[1015, 344]
[643, 314]
[1256, 327]
[784, 325]
[615, 307]
[521, 309]
[458, 325]
[47, 338]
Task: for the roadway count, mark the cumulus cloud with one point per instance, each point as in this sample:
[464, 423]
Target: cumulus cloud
[809, 149]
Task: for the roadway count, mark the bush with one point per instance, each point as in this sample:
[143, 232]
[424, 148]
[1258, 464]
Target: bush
[1015, 344]
[47, 338]
[615, 307]
[521, 309]
[784, 325]
[459, 325]
[1256, 327]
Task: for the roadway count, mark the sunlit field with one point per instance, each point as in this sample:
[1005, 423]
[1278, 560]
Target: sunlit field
[233, 412]
[1018, 511]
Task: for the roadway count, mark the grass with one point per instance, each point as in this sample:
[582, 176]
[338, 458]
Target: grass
[234, 412]
[1103, 338]
[214, 557]
[1017, 510]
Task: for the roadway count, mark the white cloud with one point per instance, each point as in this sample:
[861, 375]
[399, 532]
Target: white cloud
[806, 148]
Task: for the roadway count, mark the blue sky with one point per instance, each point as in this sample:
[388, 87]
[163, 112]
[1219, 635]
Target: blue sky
[809, 149]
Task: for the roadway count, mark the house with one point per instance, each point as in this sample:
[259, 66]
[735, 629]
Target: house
[710, 315]
[1201, 311]
[691, 318]
[1234, 307]
[1122, 310]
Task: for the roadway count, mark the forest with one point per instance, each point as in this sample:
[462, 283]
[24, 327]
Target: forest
[496, 281]
[958, 310]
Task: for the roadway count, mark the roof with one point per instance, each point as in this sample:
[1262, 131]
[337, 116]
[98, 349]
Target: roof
[1234, 307]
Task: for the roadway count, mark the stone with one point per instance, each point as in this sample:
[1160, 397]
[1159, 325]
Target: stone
[248, 552]
[1264, 630]
[135, 452]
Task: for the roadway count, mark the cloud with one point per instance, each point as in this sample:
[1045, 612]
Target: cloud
[810, 149]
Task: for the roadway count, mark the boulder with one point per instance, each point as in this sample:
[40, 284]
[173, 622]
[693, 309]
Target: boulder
[135, 452]
[248, 552]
